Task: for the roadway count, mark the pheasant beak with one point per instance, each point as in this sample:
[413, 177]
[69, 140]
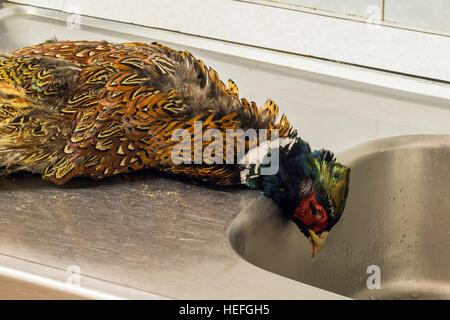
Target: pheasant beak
[317, 241]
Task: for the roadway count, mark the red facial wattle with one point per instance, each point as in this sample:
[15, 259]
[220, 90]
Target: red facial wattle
[318, 221]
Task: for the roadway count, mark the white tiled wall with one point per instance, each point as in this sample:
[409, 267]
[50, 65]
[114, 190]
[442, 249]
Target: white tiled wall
[298, 32]
[352, 7]
[433, 15]
[51, 4]
[429, 14]
[424, 15]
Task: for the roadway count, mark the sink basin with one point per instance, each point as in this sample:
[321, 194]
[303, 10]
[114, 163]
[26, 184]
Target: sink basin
[395, 226]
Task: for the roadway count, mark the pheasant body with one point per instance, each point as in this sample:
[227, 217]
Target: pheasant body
[118, 106]
[96, 109]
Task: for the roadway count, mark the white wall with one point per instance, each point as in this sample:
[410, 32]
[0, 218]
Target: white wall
[358, 8]
[323, 36]
[52, 4]
[433, 15]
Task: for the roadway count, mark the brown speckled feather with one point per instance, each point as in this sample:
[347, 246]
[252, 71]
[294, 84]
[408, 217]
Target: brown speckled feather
[98, 109]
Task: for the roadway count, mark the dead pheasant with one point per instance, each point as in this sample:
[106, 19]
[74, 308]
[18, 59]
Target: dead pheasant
[95, 109]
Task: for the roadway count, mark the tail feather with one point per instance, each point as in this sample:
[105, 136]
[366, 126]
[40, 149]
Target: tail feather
[30, 133]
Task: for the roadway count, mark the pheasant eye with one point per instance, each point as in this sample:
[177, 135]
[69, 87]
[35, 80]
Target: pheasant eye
[317, 213]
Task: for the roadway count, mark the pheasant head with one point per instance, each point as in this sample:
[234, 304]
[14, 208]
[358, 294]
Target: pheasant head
[310, 187]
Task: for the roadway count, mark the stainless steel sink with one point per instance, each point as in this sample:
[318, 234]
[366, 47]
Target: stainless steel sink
[149, 237]
[397, 218]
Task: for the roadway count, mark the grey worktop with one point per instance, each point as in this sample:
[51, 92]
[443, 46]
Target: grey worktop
[144, 231]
